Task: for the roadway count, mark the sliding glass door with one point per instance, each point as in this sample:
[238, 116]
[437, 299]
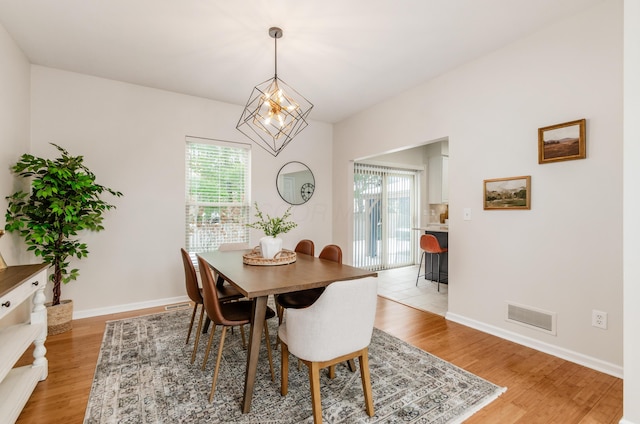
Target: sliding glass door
[384, 213]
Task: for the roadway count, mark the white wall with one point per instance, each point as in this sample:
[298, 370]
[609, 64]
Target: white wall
[631, 211]
[14, 133]
[565, 254]
[133, 138]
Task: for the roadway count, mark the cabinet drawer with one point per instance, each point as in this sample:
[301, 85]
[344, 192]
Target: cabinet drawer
[19, 294]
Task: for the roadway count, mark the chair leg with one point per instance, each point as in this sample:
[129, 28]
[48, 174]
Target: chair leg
[268, 343]
[314, 382]
[193, 316]
[244, 341]
[284, 369]
[280, 312]
[197, 342]
[206, 352]
[419, 268]
[366, 380]
[431, 265]
[215, 372]
[438, 272]
[350, 364]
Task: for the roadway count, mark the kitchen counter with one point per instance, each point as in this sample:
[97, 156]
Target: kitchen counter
[440, 228]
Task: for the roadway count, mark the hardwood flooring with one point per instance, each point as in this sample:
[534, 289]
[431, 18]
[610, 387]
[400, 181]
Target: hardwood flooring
[541, 387]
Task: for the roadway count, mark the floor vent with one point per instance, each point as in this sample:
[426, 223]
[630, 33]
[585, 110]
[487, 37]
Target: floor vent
[528, 316]
[177, 306]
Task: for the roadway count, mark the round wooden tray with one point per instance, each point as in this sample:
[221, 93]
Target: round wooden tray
[283, 257]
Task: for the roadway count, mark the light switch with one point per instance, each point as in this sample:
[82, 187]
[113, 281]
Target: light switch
[466, 214]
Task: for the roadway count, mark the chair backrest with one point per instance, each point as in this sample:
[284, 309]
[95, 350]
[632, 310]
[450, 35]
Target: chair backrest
[233, 246]
[429, 243]
[331, 252]
[191, 278]
[306, 247]
[338, 323]
[210, 294]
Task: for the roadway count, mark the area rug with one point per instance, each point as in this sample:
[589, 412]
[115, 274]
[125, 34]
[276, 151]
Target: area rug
[144, 375]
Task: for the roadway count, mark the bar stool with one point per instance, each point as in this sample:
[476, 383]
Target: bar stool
[430, 245]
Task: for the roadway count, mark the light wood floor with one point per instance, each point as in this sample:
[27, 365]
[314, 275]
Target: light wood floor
[541, 388]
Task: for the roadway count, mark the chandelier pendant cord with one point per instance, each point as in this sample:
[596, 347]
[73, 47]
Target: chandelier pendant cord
[275, 58]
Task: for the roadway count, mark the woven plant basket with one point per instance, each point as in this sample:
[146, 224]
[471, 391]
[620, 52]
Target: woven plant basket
[59, 317]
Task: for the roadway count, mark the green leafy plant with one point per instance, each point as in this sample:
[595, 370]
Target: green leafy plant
[272, 226]
[63, 201]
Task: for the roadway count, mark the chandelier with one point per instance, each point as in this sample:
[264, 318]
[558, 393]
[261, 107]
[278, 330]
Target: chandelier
[275, 112]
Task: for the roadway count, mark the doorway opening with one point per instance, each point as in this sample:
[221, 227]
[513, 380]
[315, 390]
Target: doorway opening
[386, 232]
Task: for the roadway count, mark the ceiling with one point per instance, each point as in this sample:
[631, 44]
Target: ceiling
[342, 55]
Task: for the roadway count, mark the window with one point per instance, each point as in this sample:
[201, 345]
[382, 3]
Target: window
[384, 213]
[217, 193]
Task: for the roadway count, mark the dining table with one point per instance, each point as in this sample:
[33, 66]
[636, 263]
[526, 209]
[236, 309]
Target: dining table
[258, 282]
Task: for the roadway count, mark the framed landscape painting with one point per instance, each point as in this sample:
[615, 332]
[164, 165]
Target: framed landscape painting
[507, 193]
[562, 142]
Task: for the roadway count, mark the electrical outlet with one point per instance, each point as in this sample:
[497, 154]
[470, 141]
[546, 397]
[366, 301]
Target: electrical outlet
[599, 319]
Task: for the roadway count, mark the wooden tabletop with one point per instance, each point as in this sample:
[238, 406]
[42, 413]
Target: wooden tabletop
[13, 276]
[305, 273]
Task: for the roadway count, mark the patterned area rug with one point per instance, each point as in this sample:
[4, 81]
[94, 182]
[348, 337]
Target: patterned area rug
[143, 375]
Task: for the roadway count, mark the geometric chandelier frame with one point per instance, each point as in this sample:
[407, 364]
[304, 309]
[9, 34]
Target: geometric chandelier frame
[275, 112]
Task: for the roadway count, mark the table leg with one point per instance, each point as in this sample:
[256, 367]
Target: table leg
[253, 351]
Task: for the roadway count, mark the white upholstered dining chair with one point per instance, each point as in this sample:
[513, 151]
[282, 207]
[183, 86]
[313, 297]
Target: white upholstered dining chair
[336, 328]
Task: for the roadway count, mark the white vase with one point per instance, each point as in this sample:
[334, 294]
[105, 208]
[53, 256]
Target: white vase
[269, 246]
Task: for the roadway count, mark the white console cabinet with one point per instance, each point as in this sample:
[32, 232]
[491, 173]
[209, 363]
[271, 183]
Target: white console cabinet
[18, 285]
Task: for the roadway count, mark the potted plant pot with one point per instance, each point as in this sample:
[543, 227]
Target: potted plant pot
[269, 246]
[59, 317]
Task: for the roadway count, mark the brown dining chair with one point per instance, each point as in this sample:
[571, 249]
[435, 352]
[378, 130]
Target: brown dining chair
[318, 336]
[195, 294]
[226, 291]
[305, 298]
[305, 247]
[227, 315]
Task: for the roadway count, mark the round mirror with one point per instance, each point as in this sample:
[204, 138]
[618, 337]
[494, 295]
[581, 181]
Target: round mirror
[295, 183]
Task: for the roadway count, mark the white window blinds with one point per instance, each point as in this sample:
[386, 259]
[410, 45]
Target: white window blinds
[384, 213]
[217, 193]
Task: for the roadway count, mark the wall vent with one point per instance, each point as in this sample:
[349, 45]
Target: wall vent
[531, 317]
[177, 306]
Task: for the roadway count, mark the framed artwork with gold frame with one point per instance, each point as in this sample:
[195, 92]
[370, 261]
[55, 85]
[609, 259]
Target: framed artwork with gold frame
[507, 193]
[562, 142]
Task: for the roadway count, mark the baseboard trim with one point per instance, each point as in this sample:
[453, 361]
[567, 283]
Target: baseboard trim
[569, 355]
[88, 313]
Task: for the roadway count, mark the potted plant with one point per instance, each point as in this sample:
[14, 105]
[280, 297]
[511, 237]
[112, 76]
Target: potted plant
[64, 200]
[271, 244]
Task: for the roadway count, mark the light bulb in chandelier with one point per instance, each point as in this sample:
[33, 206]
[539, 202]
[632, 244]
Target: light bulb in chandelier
[278, 106]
